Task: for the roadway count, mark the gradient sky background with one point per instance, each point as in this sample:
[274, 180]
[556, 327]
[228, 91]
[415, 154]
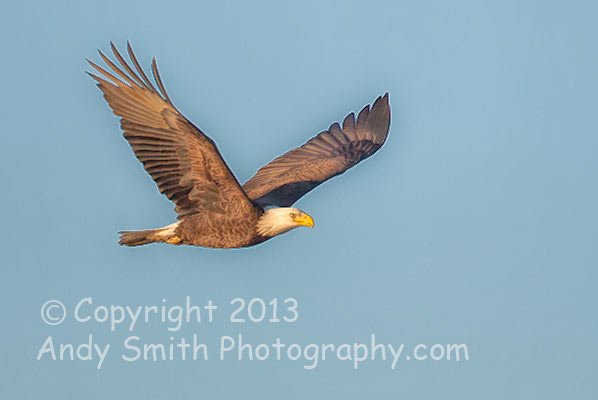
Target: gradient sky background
[476, 223]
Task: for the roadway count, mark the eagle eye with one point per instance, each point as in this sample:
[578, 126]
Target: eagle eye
[292, 215]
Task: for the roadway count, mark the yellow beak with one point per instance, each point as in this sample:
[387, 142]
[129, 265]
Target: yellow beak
[304, 219]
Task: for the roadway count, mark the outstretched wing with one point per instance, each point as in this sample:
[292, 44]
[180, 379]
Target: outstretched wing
[185, 164]
[288, 177]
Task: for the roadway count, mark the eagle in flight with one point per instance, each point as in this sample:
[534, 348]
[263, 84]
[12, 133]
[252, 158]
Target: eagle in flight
[213, 209]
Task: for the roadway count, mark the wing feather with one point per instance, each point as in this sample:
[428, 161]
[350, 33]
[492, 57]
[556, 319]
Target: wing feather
[185, 163]
[288, 177]
[148, 83]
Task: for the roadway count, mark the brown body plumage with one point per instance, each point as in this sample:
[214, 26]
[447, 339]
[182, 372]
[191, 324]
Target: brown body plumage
[213, 209]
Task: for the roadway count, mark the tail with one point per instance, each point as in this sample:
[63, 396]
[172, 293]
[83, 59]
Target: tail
[139, 238]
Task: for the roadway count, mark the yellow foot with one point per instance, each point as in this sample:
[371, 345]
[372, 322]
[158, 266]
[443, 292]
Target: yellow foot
[174, 240]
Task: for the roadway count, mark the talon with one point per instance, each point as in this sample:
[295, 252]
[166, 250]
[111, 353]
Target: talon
[174, 240]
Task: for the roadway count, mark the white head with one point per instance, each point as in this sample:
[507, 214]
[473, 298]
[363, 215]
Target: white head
[280, 220]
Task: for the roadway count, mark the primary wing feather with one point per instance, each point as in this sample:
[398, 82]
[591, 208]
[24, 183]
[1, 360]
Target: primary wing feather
[185, 163]
[288, 177]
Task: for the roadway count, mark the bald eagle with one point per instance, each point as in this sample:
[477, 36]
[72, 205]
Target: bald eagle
[213, 209]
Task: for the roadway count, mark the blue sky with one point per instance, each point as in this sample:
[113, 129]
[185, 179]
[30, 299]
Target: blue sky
[476, 223]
